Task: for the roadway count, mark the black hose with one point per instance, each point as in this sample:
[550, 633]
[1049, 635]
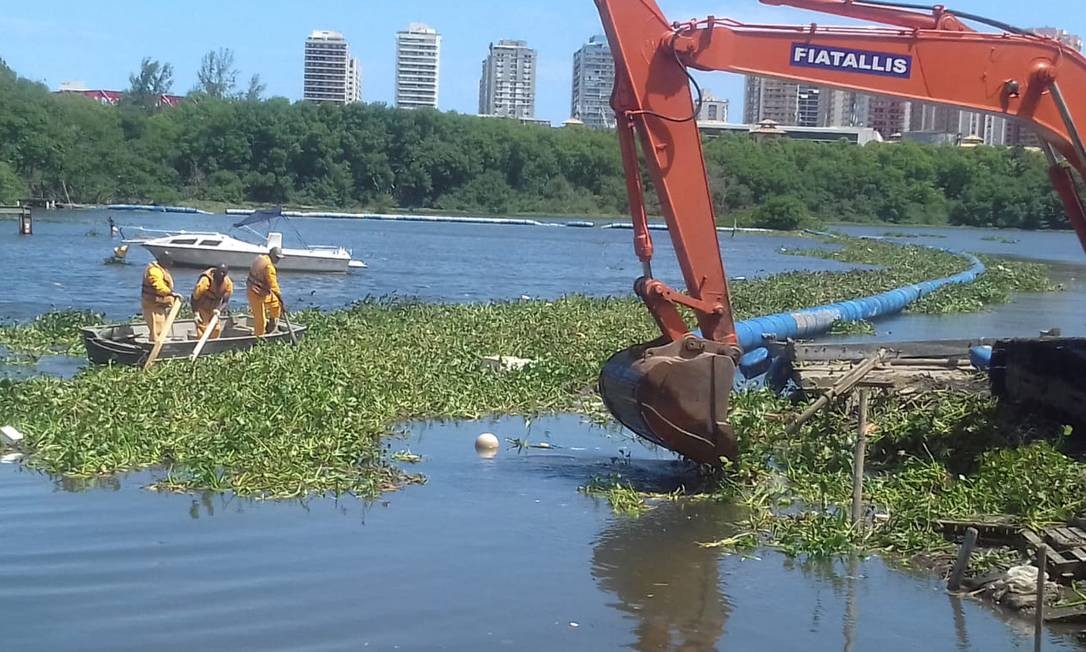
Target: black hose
[973, 17]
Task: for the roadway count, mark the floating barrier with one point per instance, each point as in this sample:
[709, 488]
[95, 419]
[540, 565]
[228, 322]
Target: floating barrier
[754, 334]
[157, 209]
[580, 224]
[807, 322]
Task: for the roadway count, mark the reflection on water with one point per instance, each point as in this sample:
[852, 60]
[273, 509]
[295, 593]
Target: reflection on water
[662, 578]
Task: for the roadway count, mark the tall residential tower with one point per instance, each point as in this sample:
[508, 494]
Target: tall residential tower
[418, 67]
[507, 85]
[593, 78]
[331, 75]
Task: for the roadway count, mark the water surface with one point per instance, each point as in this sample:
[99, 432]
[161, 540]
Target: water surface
[499, 553]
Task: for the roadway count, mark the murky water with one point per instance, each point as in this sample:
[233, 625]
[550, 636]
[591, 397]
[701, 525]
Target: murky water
[61, 265]
[499, 553]
[502, 553]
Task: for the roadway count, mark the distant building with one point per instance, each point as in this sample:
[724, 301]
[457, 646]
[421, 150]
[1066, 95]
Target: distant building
[593, 79]
[713, 109]
[111, 98]
[887, 115]
[1061, 35]
[418, 67]
[990, 129]
[808, 101]
[354, 81]
[507, 83]
[331, 75]
[770, 99]
[768, 127]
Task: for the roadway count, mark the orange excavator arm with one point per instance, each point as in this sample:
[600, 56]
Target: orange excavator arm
[674, 390]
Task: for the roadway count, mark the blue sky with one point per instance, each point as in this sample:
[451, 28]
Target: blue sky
[99, 43]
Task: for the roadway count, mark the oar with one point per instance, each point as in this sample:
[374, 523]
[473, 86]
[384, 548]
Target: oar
[161, 339]
[290, 329]
[207, 334]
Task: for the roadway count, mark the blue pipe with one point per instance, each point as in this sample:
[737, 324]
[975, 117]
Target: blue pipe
[806, 322]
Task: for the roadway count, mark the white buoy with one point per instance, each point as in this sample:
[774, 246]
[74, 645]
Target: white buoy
[486, 442]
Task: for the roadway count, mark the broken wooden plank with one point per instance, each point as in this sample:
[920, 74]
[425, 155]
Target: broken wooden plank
[843, 386]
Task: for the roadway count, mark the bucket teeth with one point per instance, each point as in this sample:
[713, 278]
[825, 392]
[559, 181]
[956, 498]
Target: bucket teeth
[674, 394]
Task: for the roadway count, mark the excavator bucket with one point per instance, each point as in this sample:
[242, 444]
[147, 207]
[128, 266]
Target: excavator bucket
[675, 394]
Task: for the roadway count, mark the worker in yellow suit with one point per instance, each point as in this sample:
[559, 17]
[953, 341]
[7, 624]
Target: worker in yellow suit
[213, 291]
[265, 296]
[157, 295]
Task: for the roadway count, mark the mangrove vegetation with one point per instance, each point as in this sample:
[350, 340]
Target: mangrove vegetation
[224, 146]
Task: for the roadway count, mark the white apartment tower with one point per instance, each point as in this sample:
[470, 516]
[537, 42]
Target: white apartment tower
[331, 75]
[418, 66]
[712, 109]
[507, 85]
[593, 78]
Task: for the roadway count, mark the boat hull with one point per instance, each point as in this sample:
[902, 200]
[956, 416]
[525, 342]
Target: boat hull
[128, 344]
[293, 260]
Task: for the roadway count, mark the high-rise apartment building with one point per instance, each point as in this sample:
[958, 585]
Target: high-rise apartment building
[784, 102]
[712, 109]
[593, 78]
[889, 116]
[937, 118]
[770, 99]
[330, 74]
[418, 67]
[354, 81]
[507, 83]
[808, 102]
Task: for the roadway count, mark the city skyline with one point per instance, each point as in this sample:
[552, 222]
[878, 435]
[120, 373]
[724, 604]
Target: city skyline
[101, 46]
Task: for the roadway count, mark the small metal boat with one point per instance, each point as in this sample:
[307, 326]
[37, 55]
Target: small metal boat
[129, 344]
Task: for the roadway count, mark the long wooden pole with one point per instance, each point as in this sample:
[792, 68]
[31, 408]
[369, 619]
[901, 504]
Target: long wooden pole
[1039, 613]
[207, 335]
[858, 463]
[161, 339]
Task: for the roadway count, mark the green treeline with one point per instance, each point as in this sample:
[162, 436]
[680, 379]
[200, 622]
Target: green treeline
[369, 156]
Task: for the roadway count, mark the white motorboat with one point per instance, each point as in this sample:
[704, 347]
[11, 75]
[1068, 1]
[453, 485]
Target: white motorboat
[207, 249]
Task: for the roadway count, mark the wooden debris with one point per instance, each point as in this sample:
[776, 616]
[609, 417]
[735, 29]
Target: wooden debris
[843, 385]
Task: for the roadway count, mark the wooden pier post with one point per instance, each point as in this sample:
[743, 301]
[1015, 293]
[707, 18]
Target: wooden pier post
[1039, 616]
[858, 463]
[962, 563]
[26, 222]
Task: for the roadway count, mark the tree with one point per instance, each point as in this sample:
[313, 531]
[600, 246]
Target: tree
[153, 80]
[217, 76]
[256, 89]
[783, 213]
[12, 187]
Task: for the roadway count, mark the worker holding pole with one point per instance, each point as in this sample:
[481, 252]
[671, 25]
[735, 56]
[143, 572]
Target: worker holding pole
[213, 291]
[157, 295]
[265, 295]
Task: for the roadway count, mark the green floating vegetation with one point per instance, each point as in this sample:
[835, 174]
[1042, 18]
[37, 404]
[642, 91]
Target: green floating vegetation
[54, 332]
[945, 454]
[860, 327]
[619, 493]
[283, 421]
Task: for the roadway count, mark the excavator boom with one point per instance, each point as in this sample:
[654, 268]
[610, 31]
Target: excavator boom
[674, 390]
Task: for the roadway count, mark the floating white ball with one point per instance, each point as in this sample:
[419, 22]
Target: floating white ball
[486, 442]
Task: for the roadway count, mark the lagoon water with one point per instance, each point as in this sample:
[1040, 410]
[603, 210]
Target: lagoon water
[501, 553]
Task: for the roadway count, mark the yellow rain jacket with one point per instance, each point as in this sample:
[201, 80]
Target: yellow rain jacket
[263, 280]
[207, 296]
[157, 285]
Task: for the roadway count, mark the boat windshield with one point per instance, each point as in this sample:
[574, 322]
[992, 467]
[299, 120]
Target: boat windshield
[210, 243]
[183, 241]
